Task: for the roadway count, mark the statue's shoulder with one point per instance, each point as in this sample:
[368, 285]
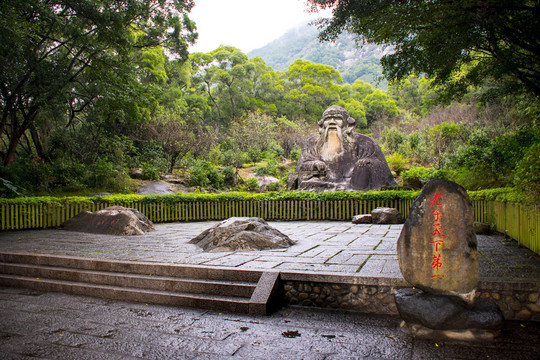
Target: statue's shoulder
[312, 140]
[363, 139]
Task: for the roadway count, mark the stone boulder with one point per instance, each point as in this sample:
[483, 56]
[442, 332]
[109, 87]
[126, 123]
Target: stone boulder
[241, 234]
[481, 228]
[437, 247]
[432, 315]
[384, 215]
[264, 181]
[159, 187]
[114, 220]
[362, 219]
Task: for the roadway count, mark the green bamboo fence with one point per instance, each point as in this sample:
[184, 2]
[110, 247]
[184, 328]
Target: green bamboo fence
[518, 221]
[42, 216]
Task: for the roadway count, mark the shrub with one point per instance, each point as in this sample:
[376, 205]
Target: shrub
[203, 173]
[527, 174]
[418, 176]
[271, 168]
[149, 171]
[397, 162]
[295, 153]
[250, 185]
[229, 176]
[276, 186]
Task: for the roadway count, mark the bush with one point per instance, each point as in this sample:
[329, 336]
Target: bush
[250, 185]
[8, 190]
[271, 168]
[527, 174]
[203, 173]
[276, 186]
[229, 176]
[149, 171]
[397, 162]
[392, 139]
[295, 153]
[418, 176]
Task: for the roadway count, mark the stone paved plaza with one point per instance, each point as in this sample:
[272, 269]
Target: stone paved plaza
[322, 247]
[35, 324]
[59, 326]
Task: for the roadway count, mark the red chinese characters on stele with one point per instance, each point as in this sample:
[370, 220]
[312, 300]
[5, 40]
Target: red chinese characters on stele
[437, 235]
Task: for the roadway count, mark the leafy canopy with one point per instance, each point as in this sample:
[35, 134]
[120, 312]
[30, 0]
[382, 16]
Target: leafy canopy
[63, 56]
[456, 42]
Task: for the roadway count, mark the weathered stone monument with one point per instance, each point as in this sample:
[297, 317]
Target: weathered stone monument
[437, 252]
[340, 159]
[243, 234]
[114, 220]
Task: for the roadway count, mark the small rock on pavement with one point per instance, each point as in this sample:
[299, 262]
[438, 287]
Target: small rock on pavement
[114, 220]
[362, 219]
[481, 228]
[384, 215]
[243, 234]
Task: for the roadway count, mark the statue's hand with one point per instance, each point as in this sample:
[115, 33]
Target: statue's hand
[318, 166]
[364, 162]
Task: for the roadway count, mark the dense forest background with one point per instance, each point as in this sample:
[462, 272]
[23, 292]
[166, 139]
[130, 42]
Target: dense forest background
[85, 105]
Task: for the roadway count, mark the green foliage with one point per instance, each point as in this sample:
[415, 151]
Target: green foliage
[149, 171]
[380, 107]
[250, 184]
[490, 162]
[397, 163]
[527, 174]
[392, 139]
[8, 190]
[458, 43]
[418, 176]
[126, 199]
[270, 168]
[295, 153]
[65, 58]
[204, 174]
[276, 186]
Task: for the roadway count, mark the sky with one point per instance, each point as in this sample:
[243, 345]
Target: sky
[245, 24]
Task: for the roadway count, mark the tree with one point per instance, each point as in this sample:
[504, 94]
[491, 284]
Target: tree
[71, 54]
[379, 107]
[311, 88]
[455, 42]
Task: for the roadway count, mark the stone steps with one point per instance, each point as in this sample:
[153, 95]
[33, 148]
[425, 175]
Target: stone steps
[229, 290]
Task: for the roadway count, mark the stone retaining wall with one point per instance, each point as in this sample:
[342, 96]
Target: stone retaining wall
[379, 299]
[515, 305]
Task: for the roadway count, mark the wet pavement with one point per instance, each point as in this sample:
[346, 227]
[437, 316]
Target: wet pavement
[60, 326]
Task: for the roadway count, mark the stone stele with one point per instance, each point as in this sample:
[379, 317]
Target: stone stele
[340, 159]
[114, 220]
[437, 247]
[241, 233]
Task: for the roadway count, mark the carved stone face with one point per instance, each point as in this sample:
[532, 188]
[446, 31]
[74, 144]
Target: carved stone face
[334, 131]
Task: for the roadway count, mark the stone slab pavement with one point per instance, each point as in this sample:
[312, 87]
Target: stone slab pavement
[322, 247]
[59, 326]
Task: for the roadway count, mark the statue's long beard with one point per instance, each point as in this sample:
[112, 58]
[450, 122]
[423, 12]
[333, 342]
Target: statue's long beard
[333, 144]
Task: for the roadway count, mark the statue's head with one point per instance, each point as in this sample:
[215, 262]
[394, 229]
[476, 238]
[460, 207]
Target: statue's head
[335, 128]
[336, 118]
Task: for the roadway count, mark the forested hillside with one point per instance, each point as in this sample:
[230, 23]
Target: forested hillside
[82, 110]
[354, 62]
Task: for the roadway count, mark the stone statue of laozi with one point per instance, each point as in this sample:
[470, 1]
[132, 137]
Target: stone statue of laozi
[340, 159]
